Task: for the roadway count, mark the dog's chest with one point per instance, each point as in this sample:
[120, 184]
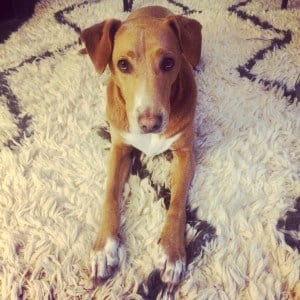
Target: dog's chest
[151, 144]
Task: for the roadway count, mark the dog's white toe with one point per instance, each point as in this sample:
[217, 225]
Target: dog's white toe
[171, 272]
[104, 262]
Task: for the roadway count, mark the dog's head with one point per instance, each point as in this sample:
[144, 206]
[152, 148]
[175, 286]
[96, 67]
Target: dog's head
[145, 56]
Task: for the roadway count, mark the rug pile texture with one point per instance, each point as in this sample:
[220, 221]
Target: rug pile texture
[242, 232]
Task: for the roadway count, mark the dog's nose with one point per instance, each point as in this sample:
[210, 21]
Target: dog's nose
[150, 123]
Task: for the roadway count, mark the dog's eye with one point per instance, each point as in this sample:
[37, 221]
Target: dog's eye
[124, 65]
[167, 64]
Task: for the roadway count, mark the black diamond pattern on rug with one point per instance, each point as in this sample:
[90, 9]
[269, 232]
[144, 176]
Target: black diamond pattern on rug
[289, 224]
[275, 45]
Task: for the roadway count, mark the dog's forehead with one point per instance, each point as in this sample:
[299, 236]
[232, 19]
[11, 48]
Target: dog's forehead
[149, 32]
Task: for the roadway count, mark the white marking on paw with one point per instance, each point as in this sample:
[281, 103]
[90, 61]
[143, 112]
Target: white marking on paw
[171, 272]
[104, 262]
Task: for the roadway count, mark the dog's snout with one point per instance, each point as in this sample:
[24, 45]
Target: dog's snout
[150, 123]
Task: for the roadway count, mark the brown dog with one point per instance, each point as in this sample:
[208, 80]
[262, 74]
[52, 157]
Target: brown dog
[150, 106]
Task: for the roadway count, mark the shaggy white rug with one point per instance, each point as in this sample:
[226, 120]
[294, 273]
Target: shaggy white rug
[244, 210]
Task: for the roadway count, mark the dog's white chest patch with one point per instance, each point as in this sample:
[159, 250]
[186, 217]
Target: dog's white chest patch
[151, 144]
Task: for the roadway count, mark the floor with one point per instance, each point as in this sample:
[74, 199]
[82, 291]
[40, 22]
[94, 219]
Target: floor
[13, 13]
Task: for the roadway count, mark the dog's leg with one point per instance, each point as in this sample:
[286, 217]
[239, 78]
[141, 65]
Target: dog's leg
[172, 240]
[107, 252]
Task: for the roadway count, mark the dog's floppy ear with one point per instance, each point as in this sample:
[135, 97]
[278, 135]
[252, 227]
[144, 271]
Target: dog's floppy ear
[188, 32]
[98, 40]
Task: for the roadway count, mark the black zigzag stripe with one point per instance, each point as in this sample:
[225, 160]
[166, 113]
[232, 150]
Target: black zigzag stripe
[13, 107]
[276, 43]
[186, 10]
[61, 18]
[127, 4]
[290, 224]
[140, 169]
[13, 103]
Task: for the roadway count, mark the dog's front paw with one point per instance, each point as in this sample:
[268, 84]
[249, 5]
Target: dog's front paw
[172, 266]
[105, 261]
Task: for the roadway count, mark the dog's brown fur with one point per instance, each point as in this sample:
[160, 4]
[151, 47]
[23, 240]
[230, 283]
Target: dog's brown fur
[143, 41]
